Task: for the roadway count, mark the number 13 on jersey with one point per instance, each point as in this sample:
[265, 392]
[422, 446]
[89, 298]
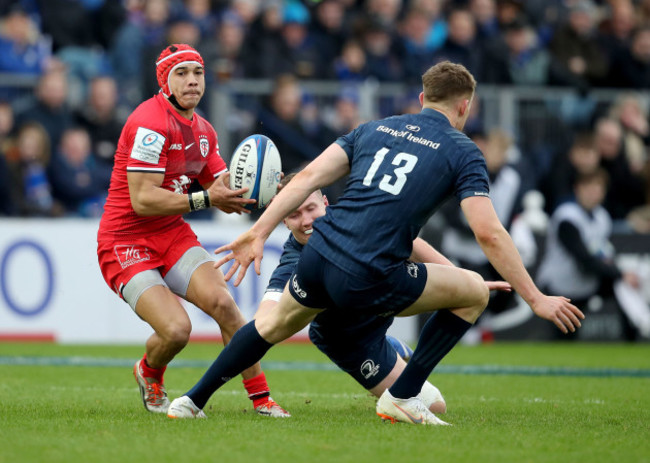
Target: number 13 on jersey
[404, 164]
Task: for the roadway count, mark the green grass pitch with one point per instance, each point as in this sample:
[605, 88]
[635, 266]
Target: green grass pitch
[562, 402]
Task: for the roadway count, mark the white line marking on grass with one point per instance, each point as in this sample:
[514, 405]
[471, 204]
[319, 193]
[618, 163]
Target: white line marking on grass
[534, 400]
[179, 392]
[325, 395]
[501, 370]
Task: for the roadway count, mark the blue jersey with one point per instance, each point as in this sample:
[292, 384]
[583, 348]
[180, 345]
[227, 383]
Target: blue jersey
[344, 328]
[288, 260]
[402, 169]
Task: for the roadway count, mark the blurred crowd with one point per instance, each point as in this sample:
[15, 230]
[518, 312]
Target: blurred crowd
[92, 62]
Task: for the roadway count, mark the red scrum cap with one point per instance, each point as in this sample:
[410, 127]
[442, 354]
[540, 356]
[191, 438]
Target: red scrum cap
[172, 57]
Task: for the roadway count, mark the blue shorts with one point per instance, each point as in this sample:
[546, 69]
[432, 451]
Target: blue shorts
[319, 284]
[359, 349]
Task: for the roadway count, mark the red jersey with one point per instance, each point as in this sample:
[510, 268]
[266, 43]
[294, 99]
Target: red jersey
[157, 139]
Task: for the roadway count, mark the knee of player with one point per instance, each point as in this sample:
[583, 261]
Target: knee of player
[225, 312]
[438, 407]
[177, 334]
[432, 398]
[481, 290]
[218, 303]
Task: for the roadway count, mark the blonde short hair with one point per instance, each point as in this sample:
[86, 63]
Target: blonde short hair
[447, 81]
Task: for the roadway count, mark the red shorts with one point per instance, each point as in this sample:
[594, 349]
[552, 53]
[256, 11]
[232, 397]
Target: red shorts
[120, 260]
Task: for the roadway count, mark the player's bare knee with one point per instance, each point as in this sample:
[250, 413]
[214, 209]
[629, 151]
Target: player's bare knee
[219, 304]
[176, 335]
[438, 407]
[273, 331]
[480, 296]
[226, 313]
[481, 290]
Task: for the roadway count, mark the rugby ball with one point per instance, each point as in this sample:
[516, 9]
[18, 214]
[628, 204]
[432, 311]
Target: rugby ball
[256, 165]
[402, 349]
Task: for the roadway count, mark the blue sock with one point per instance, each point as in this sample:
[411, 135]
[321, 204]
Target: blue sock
[439, 335]
[244, 349]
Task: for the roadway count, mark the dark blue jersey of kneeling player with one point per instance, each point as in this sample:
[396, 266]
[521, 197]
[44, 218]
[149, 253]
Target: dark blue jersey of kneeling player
[363, 326]
[402, 169]
[355, 343]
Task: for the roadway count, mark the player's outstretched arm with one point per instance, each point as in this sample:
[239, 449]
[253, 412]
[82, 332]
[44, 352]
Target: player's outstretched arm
[331, 165]
[503, 255]
[328, 167]
[247, 248]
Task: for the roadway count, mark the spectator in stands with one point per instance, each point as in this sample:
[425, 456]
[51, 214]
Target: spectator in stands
[579, 59]
[144, 26]
[69, 23]
[264, 38]
[101, 117]
[632, 113]
[76, 41]
[581, 158]
[617, 28]
[108, 17]
[329, 29]
[461, 45]
[509, 10]
[383, 59]
[626, 190]
[487, 21]
[78, 181]
[50, 108]
[223, 53]
[200, 13]
[518, 59]
[24, 49]
[631, 67]
[28, 160]
[383, 11]
[312, 121]
[247, 10]
[280, 121]
[346, 116]
[297, 51]
[351, 65]
[417, 52]
[545, 16]
[432, 10]
[579, 259]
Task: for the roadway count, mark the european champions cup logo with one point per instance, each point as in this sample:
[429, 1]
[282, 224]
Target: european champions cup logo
[149, 139]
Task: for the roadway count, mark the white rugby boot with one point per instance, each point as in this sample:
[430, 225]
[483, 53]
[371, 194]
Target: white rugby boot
[431, 395]
[152, 391]
[183, 407]
[272, 409]
[411, 410]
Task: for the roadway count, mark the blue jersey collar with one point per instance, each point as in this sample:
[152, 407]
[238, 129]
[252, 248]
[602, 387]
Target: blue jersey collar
[294, 242]
[435, 114]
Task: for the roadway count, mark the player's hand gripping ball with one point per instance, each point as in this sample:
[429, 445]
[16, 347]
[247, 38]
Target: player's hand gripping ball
[256, 165]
